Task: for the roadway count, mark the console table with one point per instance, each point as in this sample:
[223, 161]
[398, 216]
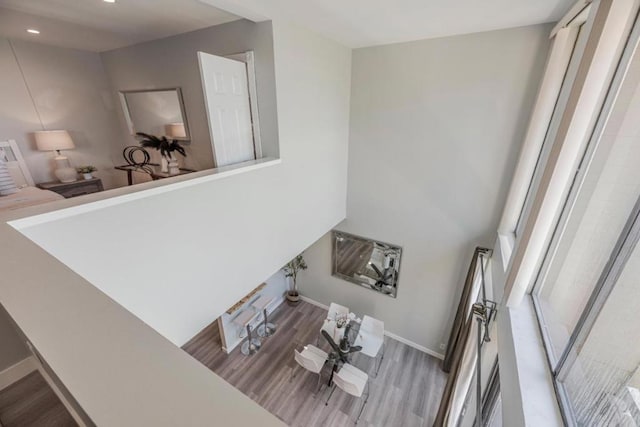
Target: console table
[75, 188]
[149, 170]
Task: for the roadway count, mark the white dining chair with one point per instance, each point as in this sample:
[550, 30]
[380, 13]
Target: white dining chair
[337, 309]
[312, 359]
[371, 338]
[352, 381]
[329, 323]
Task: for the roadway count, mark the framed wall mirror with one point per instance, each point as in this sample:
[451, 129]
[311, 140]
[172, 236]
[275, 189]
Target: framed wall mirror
[369, 263]
[158, 112]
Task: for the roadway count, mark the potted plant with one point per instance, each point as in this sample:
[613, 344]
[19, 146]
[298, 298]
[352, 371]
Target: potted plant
[292, 269]
[86, 171]
[169, 163]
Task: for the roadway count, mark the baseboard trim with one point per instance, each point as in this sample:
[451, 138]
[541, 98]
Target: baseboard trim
[313, 302]
[387, 333]
[415, 345]
[17, 371]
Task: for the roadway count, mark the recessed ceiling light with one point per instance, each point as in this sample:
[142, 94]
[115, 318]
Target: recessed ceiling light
[33, 31]
[109, 1]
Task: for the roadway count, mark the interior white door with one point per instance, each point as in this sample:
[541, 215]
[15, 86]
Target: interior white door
[226, 94]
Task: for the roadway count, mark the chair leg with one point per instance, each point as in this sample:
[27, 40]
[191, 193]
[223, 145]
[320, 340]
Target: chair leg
[319, 382]
[252, 345]
[331, 393]
[363, 404]
[293, 373]
[381, 359]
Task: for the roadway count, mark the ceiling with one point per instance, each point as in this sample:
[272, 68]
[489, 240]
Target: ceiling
[359, 23]
[98, 26]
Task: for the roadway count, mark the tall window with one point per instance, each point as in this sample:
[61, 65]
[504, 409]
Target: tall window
[587, 293]
[568, 42]
[576, 40]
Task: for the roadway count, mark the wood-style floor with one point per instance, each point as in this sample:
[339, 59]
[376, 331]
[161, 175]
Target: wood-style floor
[30, 402]
[405, 393]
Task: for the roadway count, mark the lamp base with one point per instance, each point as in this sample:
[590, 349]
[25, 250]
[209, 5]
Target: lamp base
[64, 172]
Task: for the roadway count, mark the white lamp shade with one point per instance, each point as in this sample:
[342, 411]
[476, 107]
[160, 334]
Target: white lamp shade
[53, 140]
[175, 130]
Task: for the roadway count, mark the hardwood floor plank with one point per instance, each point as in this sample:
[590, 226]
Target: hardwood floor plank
[30, 402]
[406, 391]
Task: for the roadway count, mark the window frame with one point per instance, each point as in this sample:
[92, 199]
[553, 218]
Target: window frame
[556, 79]
[625, 243]
[577, 36]
[609, 25]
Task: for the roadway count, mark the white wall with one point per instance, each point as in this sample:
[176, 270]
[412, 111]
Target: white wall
[70, 91]
[173, 62]
[13, 348]
[436, 126]
[179, 257]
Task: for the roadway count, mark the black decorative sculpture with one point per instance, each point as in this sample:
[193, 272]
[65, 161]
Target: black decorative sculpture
[129, 153]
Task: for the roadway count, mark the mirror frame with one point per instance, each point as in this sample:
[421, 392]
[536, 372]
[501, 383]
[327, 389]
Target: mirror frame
[335, 234]
[127, 114]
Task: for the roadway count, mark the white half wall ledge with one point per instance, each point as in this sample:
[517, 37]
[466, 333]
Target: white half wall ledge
[220, 246]
[391, 335]
[72, 207]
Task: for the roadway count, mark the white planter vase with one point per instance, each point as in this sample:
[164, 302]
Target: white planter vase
[87, 176]
[164, 165]
[174, 166]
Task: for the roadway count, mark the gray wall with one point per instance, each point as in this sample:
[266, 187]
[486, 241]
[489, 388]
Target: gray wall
[436, 126]
[12, 349]
[70, 91]
[173, 62]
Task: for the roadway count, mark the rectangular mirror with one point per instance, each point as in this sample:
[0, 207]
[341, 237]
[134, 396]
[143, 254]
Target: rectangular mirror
[158, 112]
[369, 263]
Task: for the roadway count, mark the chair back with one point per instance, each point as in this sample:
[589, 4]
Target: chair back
[371, 325]
[336, 309]
[347, 386]
[306, 362]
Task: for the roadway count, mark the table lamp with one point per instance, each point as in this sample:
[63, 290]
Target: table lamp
[56, 140]
[175, 130]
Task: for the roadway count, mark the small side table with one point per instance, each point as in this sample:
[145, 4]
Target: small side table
[73, 189]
